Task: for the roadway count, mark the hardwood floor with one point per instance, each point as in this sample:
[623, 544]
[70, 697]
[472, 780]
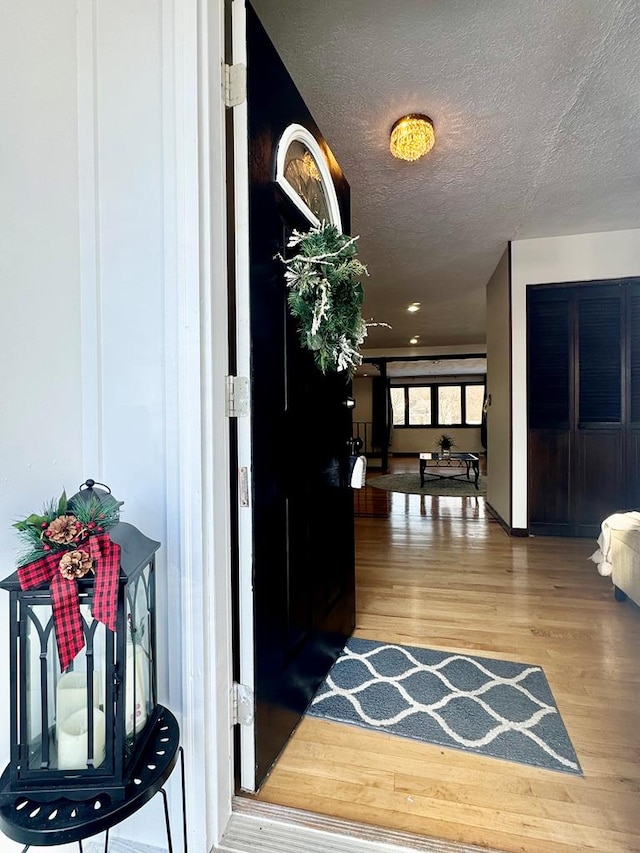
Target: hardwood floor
[439, 572]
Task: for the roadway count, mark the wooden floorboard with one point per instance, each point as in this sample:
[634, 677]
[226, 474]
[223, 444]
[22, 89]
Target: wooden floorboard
[371, 502]
[439, 572]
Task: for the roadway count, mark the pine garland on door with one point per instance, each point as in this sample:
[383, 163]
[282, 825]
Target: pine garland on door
[325, 296]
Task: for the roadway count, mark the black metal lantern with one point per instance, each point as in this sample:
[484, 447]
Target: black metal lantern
[82, 731]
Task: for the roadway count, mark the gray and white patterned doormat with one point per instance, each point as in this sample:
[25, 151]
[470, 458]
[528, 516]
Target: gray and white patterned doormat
[493, 707]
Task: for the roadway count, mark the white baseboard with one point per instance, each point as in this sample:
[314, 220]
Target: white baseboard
[121, 845]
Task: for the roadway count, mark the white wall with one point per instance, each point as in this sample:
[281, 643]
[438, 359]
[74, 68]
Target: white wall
[40, 390]
[123, 152]
[40, 334]
[105, 338]
[418, 440]
[550, 260]
[499, 387]
[362, 396]
[362, 389]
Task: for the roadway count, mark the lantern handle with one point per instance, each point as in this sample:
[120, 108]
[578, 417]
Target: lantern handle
[89, 484]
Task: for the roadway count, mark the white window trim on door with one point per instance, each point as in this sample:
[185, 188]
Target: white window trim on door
[298, 133]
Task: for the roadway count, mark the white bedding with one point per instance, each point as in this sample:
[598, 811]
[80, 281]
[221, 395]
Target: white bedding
[617, 521]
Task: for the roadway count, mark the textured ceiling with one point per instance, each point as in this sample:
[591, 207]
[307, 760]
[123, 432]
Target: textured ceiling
[536, 106]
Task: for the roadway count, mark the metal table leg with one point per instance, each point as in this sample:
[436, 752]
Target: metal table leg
[167, 822]
[165, 803]
[184, 799]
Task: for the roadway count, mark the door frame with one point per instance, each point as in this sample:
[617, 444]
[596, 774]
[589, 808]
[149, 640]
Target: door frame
[245, 606]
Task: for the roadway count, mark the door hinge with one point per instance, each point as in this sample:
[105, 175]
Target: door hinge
[235, 84]
[237, 396]
[243, 706]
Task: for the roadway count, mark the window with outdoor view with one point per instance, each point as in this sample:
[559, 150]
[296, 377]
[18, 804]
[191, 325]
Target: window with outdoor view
[458, 404]
[474, 400]
[420, 406]
[397, 405]
[449, 404]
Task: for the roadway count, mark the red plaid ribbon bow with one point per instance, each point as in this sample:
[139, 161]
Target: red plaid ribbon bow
[64, 593]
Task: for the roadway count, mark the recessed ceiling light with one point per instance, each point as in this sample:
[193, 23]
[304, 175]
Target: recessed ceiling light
[415, 306]
[414, 339]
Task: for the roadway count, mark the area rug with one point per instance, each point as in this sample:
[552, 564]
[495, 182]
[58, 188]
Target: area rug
[490, 707]
[409, 484]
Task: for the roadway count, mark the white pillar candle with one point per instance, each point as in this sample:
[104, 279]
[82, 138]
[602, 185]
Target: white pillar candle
[135, 709]
[73, 740]
[71, 694]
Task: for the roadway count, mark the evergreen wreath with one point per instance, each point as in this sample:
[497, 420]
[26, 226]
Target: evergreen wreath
[325, 296]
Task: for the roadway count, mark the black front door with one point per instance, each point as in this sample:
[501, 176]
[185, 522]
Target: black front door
[302, 508]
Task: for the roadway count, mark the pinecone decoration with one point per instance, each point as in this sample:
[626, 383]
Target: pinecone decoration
[64, 530]
[75, 564]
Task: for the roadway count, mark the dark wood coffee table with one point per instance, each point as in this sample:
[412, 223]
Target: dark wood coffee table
[449, 463]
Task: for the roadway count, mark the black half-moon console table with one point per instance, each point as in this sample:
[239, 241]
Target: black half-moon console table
[43, 824]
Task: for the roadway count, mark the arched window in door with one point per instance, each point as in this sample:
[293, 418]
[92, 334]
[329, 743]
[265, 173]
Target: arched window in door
[303, 174]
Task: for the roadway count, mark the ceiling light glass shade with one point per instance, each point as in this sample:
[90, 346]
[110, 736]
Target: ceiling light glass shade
[412, 136]
[415, 306]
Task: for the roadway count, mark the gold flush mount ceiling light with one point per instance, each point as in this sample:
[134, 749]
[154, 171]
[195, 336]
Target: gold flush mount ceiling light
[412, 136]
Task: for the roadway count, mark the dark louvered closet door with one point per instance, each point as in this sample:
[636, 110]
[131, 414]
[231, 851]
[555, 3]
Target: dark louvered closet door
[549, 411]
[633, 441]
[600, 435]
[584, 404]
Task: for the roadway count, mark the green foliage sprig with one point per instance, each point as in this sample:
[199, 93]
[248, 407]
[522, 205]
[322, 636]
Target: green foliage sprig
[80, 517]
[325, 296]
